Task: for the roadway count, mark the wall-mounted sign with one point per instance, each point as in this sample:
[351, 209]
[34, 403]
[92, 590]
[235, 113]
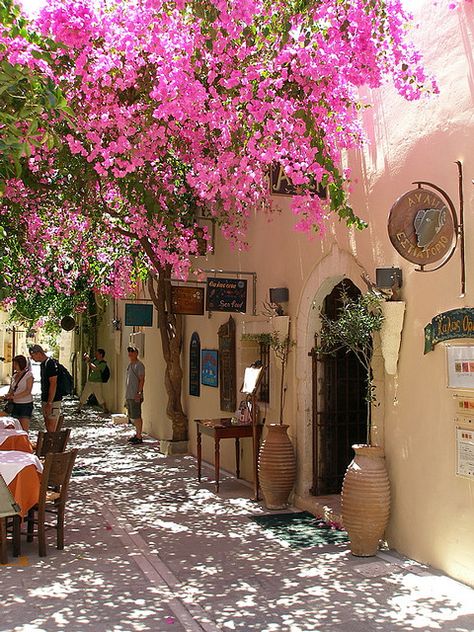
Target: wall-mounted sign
[280, 184]
[209, 367]
[195, 365]
[422, 227]
[138, 315]
[226, 295]
[227, 366]
[457, 323]
[465, 452]
[187, 300]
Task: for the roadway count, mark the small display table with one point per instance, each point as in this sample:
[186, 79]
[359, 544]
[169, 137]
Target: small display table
[223, 429]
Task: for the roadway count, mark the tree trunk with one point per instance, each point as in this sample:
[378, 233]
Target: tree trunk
[171, 330]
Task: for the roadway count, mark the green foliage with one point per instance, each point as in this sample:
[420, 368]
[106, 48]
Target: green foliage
[353, 328]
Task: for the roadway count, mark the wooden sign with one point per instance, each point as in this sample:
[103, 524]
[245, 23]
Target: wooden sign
[227, 366]
[195, 365]
[457, 323]
[187, 300]
[226, 295]
[280, 184]
[422, 227]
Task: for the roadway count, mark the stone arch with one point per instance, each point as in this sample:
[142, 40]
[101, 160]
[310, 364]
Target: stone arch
[328, 272]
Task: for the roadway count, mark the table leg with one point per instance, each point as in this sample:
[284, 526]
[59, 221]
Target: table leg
[217, 461]
[237, 457]
[199, 453]
[16, 536]
[3, 541]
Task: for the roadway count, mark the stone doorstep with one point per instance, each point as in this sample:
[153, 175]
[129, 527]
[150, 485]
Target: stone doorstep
[328, 507]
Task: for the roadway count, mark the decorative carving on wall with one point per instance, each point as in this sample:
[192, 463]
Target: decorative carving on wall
[227, 366]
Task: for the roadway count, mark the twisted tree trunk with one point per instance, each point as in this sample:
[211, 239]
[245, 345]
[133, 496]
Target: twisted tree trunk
[171, 331]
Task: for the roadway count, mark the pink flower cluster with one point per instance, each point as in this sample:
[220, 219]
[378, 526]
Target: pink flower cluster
[183, 108]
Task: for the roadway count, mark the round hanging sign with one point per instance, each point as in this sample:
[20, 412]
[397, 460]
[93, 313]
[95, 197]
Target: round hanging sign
[422, 227]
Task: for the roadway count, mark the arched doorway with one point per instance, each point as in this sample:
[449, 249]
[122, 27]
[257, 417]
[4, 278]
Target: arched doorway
[339, 417]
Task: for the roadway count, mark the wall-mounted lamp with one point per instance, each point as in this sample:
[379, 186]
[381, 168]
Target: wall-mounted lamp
[388, 278]
[117, 324]
[279, 295]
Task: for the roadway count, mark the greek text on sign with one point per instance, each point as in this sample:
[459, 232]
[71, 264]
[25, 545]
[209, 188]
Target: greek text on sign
[421, 227]
[457, 323]
[226, 295]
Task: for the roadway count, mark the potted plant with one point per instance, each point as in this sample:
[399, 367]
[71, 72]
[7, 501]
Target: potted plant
[366, 489]
[276, 461]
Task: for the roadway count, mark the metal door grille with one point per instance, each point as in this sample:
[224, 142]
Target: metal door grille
[339, 410]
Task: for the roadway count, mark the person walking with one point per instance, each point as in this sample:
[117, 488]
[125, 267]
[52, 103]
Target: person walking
[94, 384]
[50, 395]
[20, 391]
[134, 382]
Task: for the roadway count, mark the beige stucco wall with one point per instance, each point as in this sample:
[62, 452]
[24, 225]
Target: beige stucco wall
[432, 509]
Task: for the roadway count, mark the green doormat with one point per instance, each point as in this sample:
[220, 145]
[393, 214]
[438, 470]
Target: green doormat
[300, 530]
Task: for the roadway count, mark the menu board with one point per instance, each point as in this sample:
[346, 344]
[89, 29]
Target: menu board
[226, 295]
[195, 365]
[465, 452]
[187, 300]
[138, 315]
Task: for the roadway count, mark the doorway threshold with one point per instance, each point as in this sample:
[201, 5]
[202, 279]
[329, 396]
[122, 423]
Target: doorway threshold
[326, 507]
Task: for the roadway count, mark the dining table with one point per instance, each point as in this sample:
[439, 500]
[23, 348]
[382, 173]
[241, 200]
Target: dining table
[11, 439]
[21, 471]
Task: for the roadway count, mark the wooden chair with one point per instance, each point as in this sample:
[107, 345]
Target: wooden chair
[51, 442]
[59, 425]
[52, 499]
[9, 516]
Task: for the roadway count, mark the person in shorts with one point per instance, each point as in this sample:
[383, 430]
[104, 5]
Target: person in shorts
[94, 381]
[50, 398]
[134, 382]
[20, 391]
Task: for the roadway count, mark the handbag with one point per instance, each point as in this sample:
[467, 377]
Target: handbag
[9, 406]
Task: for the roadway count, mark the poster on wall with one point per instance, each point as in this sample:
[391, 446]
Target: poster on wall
[460, 361]
[195, 365]
[464, 452]
[209, 367]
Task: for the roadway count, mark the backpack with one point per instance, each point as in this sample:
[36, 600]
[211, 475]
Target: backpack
[65, 381]
[105, 373]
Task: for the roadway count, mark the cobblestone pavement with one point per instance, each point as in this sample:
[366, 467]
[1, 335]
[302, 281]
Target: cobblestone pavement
[148, 548]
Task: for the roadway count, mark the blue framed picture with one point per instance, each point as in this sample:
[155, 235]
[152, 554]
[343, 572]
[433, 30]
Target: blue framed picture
[209, 367]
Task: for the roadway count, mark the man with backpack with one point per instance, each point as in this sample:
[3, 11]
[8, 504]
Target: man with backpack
[99, 373]
[50, 393]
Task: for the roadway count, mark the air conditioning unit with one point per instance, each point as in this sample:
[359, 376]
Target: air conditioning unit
[138, 340]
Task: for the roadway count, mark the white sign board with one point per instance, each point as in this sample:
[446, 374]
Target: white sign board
[460, 360]
[465, 452]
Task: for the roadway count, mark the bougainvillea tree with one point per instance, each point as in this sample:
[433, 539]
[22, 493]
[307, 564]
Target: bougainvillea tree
[180, 108]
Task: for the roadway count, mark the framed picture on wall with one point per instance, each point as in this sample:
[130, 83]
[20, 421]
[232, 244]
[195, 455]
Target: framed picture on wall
[209, 367]
[460, 364]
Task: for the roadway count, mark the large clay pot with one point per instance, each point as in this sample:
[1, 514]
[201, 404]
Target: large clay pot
[366, 500]
[276, 467]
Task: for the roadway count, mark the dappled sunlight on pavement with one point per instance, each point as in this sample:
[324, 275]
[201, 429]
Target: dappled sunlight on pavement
[149, 548]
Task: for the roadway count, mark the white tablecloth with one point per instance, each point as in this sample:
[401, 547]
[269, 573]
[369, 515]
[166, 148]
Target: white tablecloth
[9, 422]
[12, 462]
[7, 433]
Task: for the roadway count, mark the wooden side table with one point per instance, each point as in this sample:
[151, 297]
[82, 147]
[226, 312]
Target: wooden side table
[223, 429]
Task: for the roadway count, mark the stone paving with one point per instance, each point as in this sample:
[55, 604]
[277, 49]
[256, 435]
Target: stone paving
[148, 548]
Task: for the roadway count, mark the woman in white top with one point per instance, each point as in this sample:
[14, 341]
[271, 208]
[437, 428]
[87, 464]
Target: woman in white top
[20, 391]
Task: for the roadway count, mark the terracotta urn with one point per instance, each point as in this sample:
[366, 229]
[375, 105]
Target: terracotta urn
[366, 499]
[276, 467]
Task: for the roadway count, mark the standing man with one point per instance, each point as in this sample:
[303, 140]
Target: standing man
[95, 380]
[50, 397]
[135, 379]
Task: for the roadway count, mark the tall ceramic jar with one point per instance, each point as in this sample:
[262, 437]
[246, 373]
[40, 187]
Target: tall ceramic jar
[366, 499]
[276, 467]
